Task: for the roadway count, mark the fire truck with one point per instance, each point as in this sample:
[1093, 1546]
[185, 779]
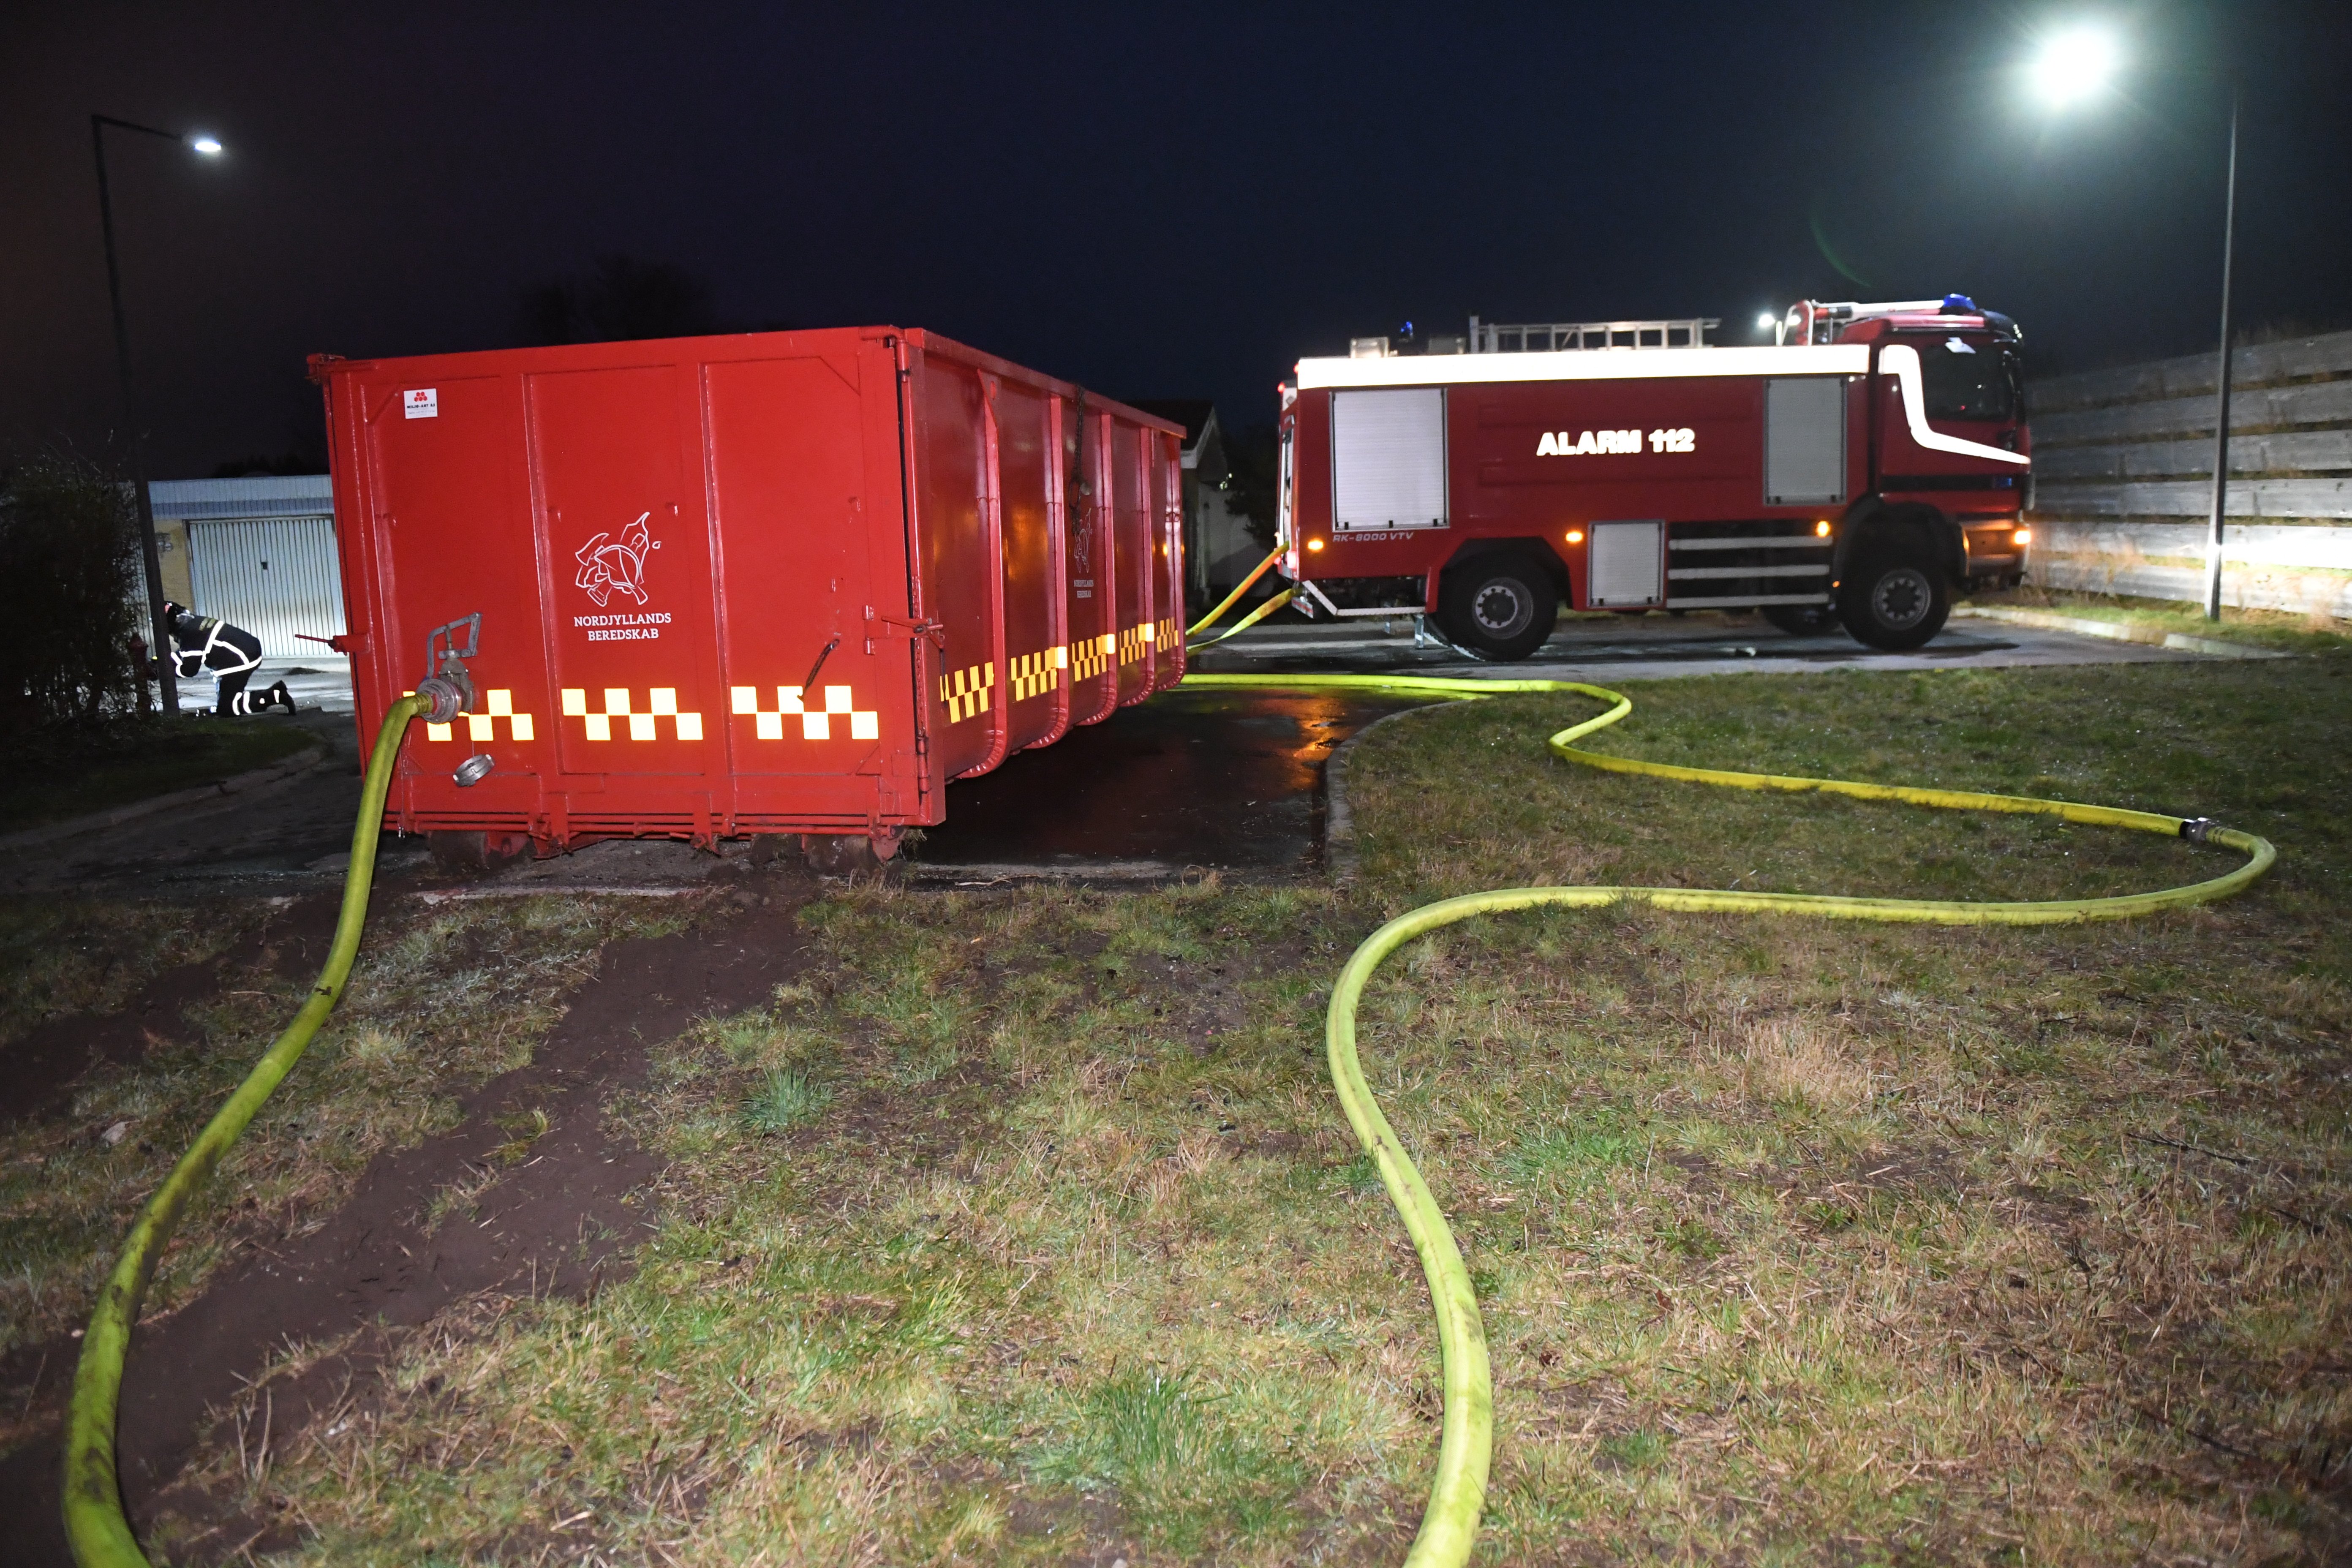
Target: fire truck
[1857, 471]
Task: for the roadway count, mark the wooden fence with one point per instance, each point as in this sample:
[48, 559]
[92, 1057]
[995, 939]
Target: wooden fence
[2123, 467]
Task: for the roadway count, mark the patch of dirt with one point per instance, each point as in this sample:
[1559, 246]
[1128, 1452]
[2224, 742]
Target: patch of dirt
[40, 1067]
[1927, 1172]
[1089, 1528]
[1701, 1176]
[558, 1220]
[1284, 1147]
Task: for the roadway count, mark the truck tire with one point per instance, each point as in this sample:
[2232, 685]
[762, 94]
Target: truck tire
[1802, 620]
[1501, 606]
[1894, 596]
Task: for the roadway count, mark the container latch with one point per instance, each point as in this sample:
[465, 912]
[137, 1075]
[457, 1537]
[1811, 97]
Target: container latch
[933, 632]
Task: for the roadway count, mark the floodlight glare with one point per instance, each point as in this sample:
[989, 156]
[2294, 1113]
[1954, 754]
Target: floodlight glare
[1767, 321]
[2074, 64]
[208, 145]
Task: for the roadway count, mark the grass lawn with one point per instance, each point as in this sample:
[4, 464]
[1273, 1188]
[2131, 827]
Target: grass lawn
[2281, 630]
[64, 770]
[1024, 1227]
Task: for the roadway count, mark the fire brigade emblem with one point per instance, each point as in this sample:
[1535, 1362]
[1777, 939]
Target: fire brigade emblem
[610, 566]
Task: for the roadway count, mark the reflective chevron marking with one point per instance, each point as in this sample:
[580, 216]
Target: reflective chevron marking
[815, 724]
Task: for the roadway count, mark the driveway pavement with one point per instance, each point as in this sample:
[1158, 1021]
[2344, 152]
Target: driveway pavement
[1640, 647]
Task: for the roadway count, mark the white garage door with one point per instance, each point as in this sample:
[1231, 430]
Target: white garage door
[274, 576]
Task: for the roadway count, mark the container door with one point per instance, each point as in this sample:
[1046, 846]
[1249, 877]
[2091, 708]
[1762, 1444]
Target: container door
[629, 579]
[451, 519]
[1133, 521]
[1172, 562]
[961, 574]
[1036, 649]
[814, 699]
[1094, 582]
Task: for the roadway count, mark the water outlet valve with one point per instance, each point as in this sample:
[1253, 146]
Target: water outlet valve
[446, 687]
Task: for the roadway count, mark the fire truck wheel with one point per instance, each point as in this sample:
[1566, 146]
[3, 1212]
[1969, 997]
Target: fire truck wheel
[1802, 620]
[1893, 598]
[1500, 607]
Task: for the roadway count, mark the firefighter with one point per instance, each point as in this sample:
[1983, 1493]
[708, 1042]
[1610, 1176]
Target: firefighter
[201, 643]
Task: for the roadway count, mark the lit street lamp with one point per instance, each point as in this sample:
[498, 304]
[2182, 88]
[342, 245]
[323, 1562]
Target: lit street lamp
[2073, 66]
[167, 680]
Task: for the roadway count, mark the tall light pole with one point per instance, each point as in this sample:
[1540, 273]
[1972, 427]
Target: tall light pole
[2073, 64]
[2221, 405]
[167, 678]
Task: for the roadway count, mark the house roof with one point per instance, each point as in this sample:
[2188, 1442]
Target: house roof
[1195, 413]
[299, 495]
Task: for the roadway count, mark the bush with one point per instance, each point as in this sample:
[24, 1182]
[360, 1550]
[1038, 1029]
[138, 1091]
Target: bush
[70, 575]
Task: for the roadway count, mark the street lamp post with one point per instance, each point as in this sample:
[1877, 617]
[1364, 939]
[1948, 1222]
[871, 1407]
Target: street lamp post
[167, 679]
[2221, 406]
[2072, 66]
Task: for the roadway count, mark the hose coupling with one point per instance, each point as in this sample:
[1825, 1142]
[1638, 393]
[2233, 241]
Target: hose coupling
[449, 696]
[2198, 829]
[475, 769]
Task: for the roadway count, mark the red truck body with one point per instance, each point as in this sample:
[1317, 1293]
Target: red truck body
[1659, 477]
[780, 582]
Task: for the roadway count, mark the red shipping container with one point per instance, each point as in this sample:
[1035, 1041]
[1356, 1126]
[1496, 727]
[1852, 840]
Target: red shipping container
[776, 583]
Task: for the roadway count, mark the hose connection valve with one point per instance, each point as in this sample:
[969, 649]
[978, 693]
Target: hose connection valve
[2198, 829]
[447, 685]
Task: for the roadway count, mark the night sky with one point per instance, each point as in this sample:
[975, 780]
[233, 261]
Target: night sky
[1158, 203]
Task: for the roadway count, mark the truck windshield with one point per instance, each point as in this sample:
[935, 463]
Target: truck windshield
[1968, 379]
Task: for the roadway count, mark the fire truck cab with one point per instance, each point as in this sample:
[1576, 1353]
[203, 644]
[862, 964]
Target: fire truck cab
[1858, 470]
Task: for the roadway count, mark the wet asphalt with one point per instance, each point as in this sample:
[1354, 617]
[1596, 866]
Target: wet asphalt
[1194, 780]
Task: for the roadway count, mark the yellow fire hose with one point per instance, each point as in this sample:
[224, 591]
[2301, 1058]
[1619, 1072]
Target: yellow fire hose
[1238, 628]
[1449, 1525]
[99, 1535]
[1205, 622]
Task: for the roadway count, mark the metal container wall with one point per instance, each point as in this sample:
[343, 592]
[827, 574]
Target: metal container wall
[783, 582]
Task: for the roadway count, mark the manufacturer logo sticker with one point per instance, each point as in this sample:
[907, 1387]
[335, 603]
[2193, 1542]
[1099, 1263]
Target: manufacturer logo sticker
[421, 403]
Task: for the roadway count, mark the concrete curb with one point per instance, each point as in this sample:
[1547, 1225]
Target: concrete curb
[1340, 855]
[985, 875]
[299, 763]
[2118, 631]
[553, 889]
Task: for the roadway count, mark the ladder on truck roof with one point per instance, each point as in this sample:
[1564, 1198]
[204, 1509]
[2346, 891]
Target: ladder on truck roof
[1545, 337]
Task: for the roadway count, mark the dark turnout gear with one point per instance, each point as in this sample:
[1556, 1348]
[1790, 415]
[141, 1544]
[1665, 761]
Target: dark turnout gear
[207, 643]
